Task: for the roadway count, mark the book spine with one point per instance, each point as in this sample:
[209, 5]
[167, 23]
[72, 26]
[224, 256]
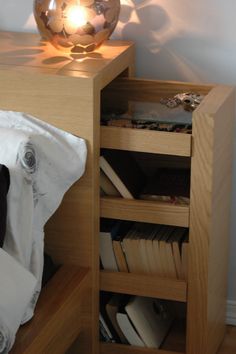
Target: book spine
[120, 257]
[103, 334]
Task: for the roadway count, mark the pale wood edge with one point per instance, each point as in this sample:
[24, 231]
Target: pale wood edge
[41, 54]
[146, 141]
[145, 211]
[211, 179]
[143, 285]
[108, 348]
[54, 319]
[121, 64]
[217, 97]
[157, 88]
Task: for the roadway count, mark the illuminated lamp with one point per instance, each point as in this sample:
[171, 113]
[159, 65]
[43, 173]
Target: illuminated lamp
[76, 25]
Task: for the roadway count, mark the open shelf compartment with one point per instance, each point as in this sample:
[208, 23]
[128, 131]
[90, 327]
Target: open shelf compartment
[174, 343]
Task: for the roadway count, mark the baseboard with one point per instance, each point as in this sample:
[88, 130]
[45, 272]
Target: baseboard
[231, 313]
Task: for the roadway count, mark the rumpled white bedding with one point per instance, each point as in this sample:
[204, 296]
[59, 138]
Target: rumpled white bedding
[17, 288]
[43, 163]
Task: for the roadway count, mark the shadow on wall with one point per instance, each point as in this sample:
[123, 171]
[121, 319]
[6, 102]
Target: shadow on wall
[172, 42]
[153, 32]
[172, 47]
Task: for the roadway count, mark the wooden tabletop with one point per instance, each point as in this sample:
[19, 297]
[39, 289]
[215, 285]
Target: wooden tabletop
[29, 50]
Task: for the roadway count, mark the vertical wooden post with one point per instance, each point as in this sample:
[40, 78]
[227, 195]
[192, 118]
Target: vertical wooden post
[209, 220]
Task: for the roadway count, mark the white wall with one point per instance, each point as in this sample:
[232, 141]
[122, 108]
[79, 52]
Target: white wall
[175, 40]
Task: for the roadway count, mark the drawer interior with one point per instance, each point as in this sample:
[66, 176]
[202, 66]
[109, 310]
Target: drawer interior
[120, 91]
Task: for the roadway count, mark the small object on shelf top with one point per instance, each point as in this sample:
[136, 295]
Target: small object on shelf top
[189, 100]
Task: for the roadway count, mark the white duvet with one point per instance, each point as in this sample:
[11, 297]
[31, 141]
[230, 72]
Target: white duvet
[43, 163]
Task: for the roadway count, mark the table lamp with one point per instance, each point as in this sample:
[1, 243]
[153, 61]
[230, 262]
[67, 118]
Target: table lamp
[76, 25]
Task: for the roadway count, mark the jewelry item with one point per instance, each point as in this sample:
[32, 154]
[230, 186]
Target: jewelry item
[189, 100]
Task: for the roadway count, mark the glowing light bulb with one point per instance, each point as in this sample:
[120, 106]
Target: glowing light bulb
[77, 16]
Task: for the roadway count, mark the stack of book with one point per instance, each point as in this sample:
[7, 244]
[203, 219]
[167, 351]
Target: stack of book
[135, 320]
[121, 176]
[144, 248]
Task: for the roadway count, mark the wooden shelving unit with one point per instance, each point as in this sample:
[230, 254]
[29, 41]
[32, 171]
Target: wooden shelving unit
[209, 148]
[39, 80]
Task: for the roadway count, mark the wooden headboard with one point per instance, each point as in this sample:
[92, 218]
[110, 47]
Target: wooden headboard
[65, 91]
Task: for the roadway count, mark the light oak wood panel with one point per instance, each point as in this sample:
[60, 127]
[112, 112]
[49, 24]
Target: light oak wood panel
[146, 141]
[69, 235]
[28, 50]
[38, 80]
[145, 211]
[209, 220]
[107, 348]
[55, 100]
[143, 285]
[56, 322]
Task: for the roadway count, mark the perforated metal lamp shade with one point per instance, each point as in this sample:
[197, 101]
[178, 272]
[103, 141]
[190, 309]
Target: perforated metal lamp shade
[76, 25]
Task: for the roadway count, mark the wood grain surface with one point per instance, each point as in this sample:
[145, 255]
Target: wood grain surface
[143, 285]
[145, 211]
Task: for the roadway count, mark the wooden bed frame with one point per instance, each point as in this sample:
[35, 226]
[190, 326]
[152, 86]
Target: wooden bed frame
[39, 80]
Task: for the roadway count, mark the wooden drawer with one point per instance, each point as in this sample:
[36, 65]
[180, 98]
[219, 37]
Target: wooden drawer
[119, 92]
[208, 151]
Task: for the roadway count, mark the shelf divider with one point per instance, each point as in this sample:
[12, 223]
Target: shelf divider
[143, 285]
[145, 211]
[157, 142]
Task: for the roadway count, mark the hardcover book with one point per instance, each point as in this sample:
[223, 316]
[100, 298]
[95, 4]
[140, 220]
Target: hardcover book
[112, 233]
[107, 186]
[112, 308]
[128, 330]
[150, 318]
[107, 330]
[184, 257]
[176, 242]
[108, 230]
[118, 247]
[123, 171]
